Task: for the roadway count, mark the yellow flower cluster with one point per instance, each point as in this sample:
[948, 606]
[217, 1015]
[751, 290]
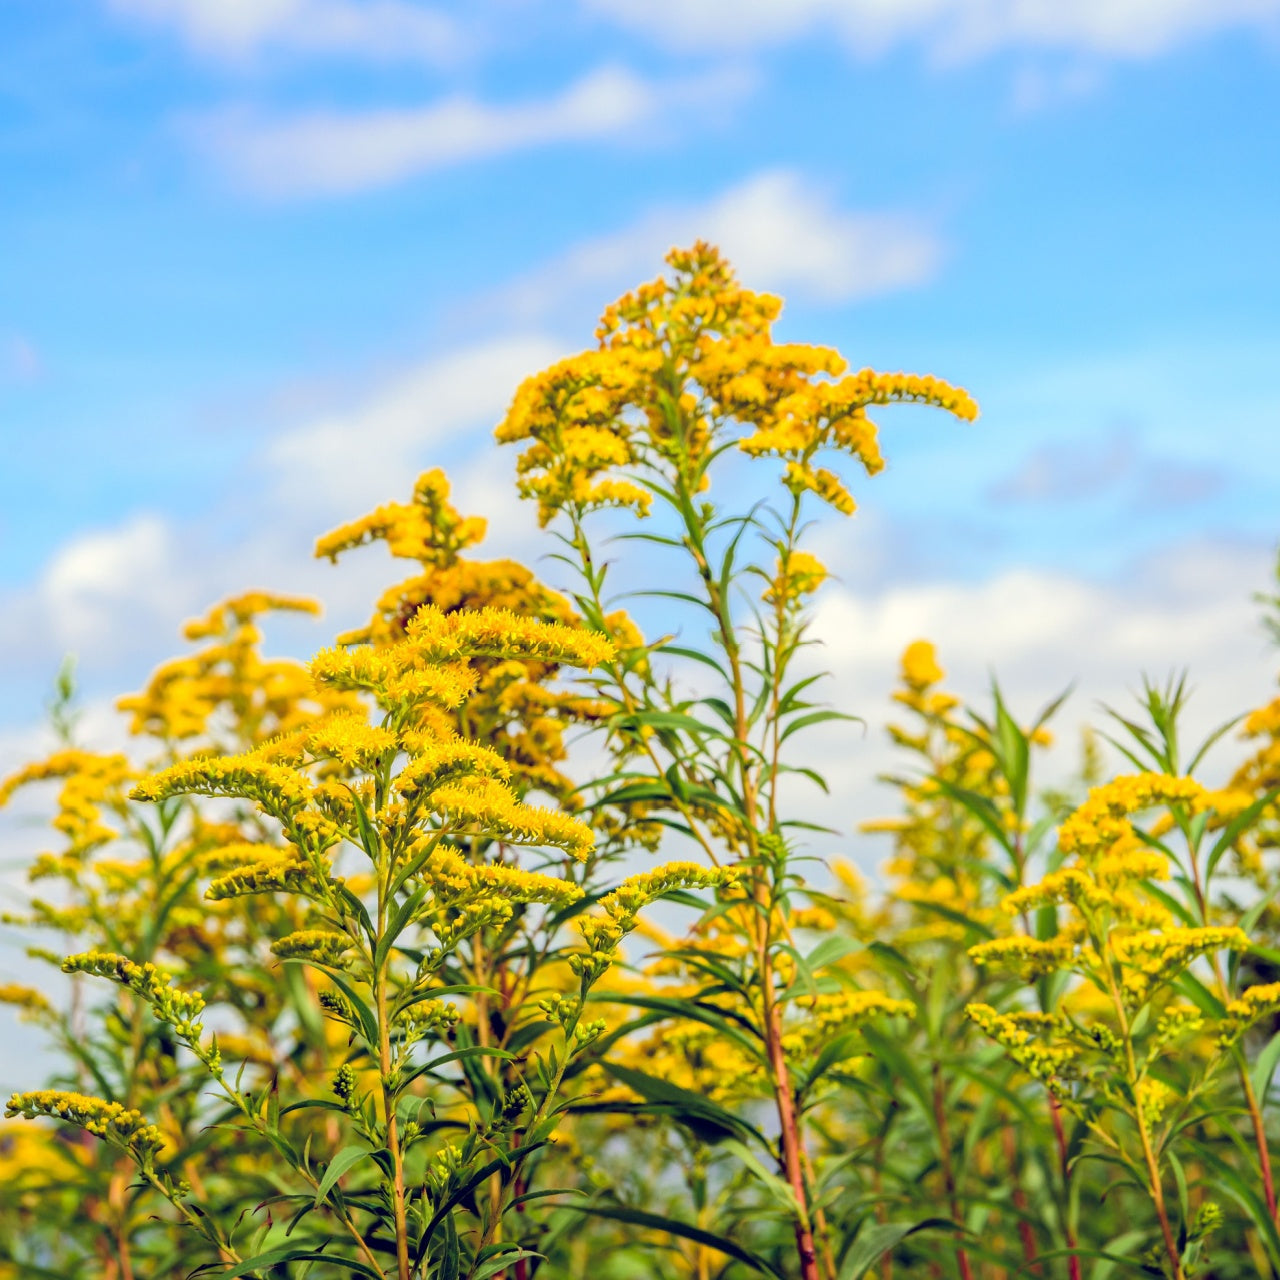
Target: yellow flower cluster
[451, 878]
[435, 636]
[227, 689]
[33, 1003]
[91, 783]
[277, 790]
[504, 702]
[617, 913]
[276, 875]
[574, 415]
[1103, 819]
[800, 575]
[428, 529]
[1024, 1038]
[125, 1127]
[393, 676]
[1250, 1007]
[920, 667]
[1149, 960]
[180, 1009]
[1028, 958]
[320, 946]
[485, 807]
[679, 360]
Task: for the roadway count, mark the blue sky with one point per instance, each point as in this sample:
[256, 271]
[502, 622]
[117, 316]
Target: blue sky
[263, 260]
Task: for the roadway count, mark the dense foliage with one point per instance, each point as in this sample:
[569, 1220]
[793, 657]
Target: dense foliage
[352, 991]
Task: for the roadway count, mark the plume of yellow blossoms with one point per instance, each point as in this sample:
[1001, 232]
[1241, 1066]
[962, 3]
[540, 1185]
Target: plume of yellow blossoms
[682, 362]
[1115, 927]
[1122, 940]
[227, 693]
[508, 703]
[937, 842]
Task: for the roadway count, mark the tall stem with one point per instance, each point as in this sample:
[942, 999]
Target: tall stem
[1064, 1164]
[944, 1152]
[398, 1197]
[1148, 1154]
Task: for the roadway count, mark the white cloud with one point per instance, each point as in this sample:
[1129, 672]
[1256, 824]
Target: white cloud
[333, 152]
[237, 29]
[116, 597]
[1038, 631]
[340, 464]
[103, 584]
[949, 29]
[780, 230]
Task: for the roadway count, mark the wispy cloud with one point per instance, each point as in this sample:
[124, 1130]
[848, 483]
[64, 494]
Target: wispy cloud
[780, 230]
[380, 30]
[333, 152]
[1117, 464]
[947, 29]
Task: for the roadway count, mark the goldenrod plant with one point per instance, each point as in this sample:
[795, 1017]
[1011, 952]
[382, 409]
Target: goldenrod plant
[365, 971]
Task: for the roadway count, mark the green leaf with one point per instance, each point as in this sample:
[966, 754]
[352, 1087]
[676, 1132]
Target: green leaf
[364, 1015]
[1233, 829]
[339, 1165]
[397, 925]
[708, 1119]
[1265, 1067]
[458, 1055]
[876, 1240]
[814, 717]
[981, 808]
[831, 949]
[777, 1188]
[689, 1009]
[289, 1254]
[502, 1261]
[685, 1230]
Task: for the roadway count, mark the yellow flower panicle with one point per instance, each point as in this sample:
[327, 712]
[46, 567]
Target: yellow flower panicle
[617, 912]
[498, 697]
[428, 529]
[227, 692]
[180, 1009]
[920, 667]
[452, 878]
[1103, 819]
[679, 360]
[435, 636]
[123, 1127]
[277, 790]
[277, 875]
[801, 575]
[434, 763]
[1024, 1038]
[321, 946]
[1028, 958]
[32, 1003]
[486, 807]
[1249, 1008]
[1153, 959]
[243, 609]
[394, 676]
[91, 785]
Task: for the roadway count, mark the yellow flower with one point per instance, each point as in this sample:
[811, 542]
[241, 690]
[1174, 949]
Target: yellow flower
[126, 1128]
[801, 575]
[1027, 957]
[920, 667]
